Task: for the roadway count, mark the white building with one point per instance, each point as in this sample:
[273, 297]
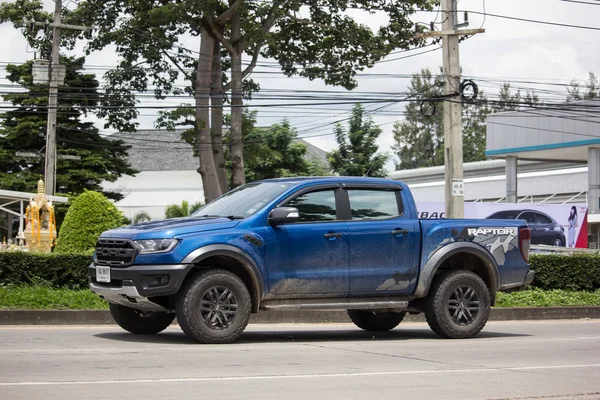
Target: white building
[545, 155]
[168, 173]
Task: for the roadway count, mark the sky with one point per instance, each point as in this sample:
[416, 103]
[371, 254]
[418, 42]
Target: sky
[509, 51]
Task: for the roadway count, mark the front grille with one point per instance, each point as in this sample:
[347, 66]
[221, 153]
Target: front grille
[115, 252]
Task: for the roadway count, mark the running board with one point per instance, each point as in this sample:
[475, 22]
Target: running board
[341, 304]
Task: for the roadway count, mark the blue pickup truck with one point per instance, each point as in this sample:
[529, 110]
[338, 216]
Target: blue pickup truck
[335, 243]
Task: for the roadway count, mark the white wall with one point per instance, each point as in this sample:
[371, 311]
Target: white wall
[573, 180]
[153, 191]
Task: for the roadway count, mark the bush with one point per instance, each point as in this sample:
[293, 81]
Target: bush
[55, 270]
[575, 272]
[90, 214]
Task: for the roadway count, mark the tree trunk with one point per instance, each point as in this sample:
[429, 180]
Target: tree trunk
[207, 168]
[238, 176]
[216, 100]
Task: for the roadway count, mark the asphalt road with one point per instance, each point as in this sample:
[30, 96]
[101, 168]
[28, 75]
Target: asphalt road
[549, 359]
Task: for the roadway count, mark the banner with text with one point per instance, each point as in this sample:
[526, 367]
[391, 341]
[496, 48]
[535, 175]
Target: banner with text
[553, 224]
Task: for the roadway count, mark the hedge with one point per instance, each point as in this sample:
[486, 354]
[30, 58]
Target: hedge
[55, 270]
[576, 272]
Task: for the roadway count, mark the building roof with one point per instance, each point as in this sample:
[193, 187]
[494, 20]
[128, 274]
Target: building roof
[160, 150]
[477, 169]
[561, 132]
[12, 195]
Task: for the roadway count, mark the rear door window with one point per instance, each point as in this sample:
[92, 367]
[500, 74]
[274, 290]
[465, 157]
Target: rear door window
[369, 204]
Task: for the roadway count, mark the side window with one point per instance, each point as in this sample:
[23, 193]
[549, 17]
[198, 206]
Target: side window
[315, 206]
[542, 219]
[373, 204]
[529, 217]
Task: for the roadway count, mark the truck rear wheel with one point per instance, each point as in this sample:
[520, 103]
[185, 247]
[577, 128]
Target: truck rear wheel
[214, 307]
[458, 305]
[376, 321]
[140, 322]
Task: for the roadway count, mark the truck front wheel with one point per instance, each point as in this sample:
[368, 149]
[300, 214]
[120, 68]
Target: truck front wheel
[458, 305]
[214, 307]
[376, 321]
[140, 322]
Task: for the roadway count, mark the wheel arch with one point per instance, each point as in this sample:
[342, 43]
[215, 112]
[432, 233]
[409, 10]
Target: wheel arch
[232, 259]
[456, 256]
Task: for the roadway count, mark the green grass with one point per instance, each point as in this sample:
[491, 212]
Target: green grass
[548, 298]
[45, 298]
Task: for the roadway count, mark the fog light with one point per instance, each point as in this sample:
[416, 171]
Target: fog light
[157, 280]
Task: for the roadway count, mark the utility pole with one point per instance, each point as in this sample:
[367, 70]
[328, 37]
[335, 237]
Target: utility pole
[50, 167]
[453, 143]
[55, 79]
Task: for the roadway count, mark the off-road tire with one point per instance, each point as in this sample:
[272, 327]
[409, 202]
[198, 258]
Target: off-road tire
[140, 322]
[373, 321]
[451, 316]
[214, 307]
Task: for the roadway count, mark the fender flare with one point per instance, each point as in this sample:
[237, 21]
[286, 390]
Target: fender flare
[427, 273]
[238, 254]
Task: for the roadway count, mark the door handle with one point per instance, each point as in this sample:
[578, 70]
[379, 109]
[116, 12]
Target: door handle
[332, 235]
[399, 231]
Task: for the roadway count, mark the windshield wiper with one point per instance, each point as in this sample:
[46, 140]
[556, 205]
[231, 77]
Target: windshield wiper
[231, 217]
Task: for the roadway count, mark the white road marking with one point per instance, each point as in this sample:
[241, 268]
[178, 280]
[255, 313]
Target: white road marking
[301, 376]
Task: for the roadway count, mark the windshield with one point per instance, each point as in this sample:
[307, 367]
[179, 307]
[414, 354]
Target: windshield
[244, 201]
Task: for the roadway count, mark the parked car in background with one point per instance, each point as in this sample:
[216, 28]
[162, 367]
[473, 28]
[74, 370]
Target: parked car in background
[544, 229]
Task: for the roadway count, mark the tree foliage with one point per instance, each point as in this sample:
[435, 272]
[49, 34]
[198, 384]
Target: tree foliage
[23, 134]
[419, 139]
[356, 154]
[592, 89]
[275, 152]
[183, 210]
[89, 215]
[319, 39]
[140, 217]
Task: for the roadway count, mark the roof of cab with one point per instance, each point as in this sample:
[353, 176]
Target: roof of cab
[340, 179]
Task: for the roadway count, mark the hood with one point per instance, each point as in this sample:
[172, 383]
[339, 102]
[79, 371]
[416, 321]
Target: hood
[169, 228]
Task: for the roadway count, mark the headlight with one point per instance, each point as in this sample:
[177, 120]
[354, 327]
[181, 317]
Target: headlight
[156, 245]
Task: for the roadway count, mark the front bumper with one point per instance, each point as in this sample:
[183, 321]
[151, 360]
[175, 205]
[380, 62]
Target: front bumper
[132, 286]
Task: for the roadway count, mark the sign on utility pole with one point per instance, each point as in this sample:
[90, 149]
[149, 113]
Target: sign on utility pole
[453, 143]
[56, 77]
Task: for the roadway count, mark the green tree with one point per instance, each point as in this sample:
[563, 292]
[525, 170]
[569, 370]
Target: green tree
[419, 139]
[140, 217]
[274, 151]
[356, 154]
[23, 134]
[89, 215]
[183, 210]
[592, 89]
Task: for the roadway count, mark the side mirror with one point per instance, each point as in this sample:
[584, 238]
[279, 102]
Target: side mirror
[284, 215]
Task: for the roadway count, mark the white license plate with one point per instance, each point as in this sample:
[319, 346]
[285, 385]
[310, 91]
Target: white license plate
[103, 274]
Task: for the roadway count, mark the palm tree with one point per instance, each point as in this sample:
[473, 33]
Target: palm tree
[183, 210]
[142, 216]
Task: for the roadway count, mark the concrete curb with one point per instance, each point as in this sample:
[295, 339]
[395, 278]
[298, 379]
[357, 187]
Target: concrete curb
[93, 317]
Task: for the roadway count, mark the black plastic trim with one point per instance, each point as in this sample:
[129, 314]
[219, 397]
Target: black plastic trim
[427, 273]
[140, 275]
